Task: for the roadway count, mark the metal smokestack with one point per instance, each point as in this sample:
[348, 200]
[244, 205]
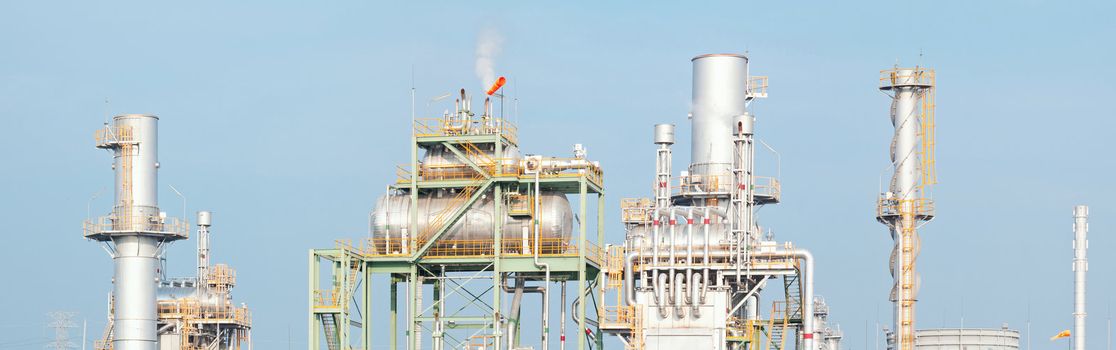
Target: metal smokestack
[136, 228]
[720, 92]
[1080, 266]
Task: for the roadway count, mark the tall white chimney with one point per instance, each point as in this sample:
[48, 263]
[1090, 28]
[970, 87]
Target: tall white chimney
[1080, 266]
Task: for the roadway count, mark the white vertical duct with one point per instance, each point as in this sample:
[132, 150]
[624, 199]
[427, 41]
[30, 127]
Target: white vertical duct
[1080, 266]
[204, 221]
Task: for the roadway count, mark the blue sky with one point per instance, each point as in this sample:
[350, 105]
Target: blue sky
[286, 120]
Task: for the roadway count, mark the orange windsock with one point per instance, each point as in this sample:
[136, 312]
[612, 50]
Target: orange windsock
[1060, 335]
[497, 85]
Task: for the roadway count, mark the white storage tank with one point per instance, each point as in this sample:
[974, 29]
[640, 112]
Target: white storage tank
[967, 339]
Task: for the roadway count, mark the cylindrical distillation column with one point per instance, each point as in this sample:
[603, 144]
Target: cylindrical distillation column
[1080, 266]
[902, 207]
[136, 227]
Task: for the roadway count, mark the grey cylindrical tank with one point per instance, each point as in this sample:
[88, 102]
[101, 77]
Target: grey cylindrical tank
[744, 124]
[392, 214]
[205, 218]
[719, 93]
[664, 134]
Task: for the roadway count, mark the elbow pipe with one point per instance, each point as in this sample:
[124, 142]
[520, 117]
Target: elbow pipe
[660, 291]
[677, 289]
[807, 259]
[629, 278]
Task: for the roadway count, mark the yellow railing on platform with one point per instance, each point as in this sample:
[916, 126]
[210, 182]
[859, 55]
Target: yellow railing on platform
[432, 127]
[193, 310]
[627, 318]
[757, 87]
[327, 298]
[136, 223]
[922, 207]
[458, 248]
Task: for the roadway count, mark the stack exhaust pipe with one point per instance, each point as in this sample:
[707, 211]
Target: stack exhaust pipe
[1080, 266]
[135, 231]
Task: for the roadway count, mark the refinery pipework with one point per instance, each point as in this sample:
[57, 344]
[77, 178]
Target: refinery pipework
[906, 205]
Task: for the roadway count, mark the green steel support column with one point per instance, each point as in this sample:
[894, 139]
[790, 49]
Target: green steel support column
[314, 322]
[412, 308]
[600, 277]
[581, 264]
[498, 252]
[366, 338]
[393, 309]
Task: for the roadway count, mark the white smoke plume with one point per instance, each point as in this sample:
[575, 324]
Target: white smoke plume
[489, 45]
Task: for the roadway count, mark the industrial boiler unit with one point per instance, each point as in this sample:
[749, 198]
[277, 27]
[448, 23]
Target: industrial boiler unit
[147, 310]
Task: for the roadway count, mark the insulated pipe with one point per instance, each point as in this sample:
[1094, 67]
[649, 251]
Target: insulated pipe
[516, 299]
[655, 258]
[690, 254]
[751, 306]
[661, 291]
[544, 266]
[629, 278]
[705, 257]
[1080, 266]
[562, 316]
[676, 287]
[673, 247]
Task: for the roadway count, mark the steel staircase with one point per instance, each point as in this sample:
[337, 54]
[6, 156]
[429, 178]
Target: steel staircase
[793, 291]
[777, 327]
[329, 323]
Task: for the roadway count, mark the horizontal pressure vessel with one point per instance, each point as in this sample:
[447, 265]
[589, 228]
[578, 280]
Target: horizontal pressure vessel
[392, 215]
